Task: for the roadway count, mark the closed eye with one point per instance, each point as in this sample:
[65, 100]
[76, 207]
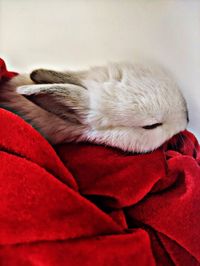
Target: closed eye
[152, 126]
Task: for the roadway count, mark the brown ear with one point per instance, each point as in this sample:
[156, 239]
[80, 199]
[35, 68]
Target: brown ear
[68, 101]
[42, 76]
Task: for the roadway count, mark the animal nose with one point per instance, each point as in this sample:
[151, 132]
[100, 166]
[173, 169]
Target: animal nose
[187, 116]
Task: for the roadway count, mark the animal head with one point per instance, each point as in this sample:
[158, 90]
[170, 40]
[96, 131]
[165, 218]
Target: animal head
[132, 107]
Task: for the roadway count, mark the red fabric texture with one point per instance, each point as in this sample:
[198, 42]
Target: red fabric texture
[85, 204]
[4, 73]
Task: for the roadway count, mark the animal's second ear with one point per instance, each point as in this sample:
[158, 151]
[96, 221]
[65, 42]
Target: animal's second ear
[65, 100]
[44, 76]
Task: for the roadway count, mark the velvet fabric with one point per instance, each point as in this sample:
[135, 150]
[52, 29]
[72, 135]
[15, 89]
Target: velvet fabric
[85, 204]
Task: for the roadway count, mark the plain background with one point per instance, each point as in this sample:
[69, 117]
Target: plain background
[79, 33]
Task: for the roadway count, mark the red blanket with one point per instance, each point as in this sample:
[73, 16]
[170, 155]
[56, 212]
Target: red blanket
[4, 73]
[84, 204]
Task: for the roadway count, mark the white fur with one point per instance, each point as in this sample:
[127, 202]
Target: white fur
[112, 104]
[130, 98]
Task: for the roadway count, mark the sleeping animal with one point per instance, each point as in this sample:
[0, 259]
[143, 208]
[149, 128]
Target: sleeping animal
[132, 107]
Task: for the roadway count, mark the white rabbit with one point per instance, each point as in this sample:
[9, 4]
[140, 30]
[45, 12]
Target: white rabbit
[129, 106]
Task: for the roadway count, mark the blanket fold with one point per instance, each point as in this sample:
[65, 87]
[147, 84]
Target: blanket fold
[85, 204]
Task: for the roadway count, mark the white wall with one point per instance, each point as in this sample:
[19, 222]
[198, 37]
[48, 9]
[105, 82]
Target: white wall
[77, 33]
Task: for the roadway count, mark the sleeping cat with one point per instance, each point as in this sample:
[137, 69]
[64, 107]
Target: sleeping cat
[129, 106]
